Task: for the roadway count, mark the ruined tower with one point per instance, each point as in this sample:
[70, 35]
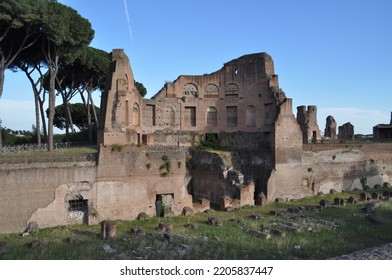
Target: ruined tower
[330, 128]
[120, 104]
[346, 132]
[307, 119]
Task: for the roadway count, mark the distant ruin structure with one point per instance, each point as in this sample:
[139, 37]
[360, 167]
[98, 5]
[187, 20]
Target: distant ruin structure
[383, 132]
[307, 119]
[346, 132]
[330, 128]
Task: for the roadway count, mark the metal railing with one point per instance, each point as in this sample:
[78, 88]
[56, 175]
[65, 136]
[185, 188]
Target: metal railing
[20, 155]
[12, 159]
[34, 147]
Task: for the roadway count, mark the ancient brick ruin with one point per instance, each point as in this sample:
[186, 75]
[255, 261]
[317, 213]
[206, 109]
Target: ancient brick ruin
[242, 96]
[146, 168]
[383, 132]
[330, 128]
[307, 119]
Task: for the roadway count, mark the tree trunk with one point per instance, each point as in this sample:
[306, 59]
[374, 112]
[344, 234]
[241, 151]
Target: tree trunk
[37, 121]
[90, 127]
[1, 136]
[43, 119]
[52, 105]
[2, 77]
[94, 111]
[70, 120]
[65, 112]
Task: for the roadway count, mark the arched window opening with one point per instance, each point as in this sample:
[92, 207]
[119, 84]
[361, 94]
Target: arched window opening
[211, 90]
[232, 90]
[190, 90]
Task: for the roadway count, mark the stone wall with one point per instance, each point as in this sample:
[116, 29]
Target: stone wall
[242, 96]
[340, 166]
[287, 150]
[131, 180]
[238, 97]
[214, 178]
[27, 189]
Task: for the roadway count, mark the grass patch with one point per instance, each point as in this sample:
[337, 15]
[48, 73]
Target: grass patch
[231, 240]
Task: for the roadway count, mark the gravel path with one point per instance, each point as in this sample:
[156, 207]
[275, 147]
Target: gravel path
[383, 252]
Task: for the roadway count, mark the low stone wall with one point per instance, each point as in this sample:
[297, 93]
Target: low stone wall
[29, 187]
[331, 166]
[342, 169]
[128, 180]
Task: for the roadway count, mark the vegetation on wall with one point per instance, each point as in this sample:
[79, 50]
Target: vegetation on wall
[117, 147]
[164, 168]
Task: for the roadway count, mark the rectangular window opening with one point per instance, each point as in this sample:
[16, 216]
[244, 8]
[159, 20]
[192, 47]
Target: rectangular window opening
[78, 205]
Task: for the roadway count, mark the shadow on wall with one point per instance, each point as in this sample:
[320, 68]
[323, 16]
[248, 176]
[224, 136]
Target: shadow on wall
[362, 175]
[256, 167]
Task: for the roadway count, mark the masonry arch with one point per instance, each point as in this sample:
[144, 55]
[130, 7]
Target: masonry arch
[232, 90]
[211, 90]
[212, 116]
[190, 90]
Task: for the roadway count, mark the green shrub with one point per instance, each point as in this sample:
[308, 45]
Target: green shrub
[117, 147]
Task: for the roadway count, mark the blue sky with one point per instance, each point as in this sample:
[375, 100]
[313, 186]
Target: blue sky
[334, 54]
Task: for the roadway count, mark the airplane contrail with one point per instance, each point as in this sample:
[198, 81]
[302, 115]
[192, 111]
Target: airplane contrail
[128, 20]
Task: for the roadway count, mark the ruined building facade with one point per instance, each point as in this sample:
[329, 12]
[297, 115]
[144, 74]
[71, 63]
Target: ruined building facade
[241, 105]
[144, 165]
[242, 96]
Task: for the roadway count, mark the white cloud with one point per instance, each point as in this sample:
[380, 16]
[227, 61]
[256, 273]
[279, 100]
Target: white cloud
[362, 119]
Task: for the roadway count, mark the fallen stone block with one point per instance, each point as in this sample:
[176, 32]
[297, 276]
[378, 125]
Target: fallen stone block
[142, 216]
[165, 227]
[364, 196]
[260, 234]
[277, 212]
[325, 203]
[32, 227]
[193, 226]
[376, 196]
[214, 221]
[138, 231]
[278, 233]
[39, 244]
[3, 247]
[187, 211]
[75, 240]
[288, 228]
